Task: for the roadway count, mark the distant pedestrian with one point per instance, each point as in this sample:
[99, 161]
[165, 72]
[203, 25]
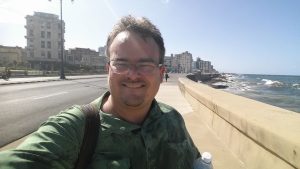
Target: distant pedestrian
[166, 76]
[8, 73]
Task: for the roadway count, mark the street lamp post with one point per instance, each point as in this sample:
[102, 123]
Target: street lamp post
[62, 73]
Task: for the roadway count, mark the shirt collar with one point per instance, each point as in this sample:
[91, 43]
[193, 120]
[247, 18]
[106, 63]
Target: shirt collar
[116, 125]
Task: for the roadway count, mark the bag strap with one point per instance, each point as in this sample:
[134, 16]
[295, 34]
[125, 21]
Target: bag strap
[91, 132]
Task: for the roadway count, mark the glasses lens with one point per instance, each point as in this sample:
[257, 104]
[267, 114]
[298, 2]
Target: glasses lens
[119, 67]
[144, 68]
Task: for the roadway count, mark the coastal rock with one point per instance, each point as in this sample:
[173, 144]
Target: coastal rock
[192, 77]
[215, 80]
[219, 85]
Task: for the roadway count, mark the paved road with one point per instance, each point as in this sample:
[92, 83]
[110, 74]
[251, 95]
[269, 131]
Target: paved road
[24, 106]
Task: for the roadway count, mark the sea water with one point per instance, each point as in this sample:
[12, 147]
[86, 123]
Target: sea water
[278, 90]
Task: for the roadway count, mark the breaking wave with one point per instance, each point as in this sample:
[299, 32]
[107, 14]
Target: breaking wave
[272, 83]
[278, 90]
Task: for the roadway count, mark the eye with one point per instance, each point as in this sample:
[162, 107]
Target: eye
[120, 65]
[146, 66]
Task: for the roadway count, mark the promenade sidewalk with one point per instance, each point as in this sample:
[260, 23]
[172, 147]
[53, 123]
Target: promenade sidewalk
[202, 135]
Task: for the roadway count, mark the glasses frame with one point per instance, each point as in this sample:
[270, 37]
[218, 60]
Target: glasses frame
[137, 67]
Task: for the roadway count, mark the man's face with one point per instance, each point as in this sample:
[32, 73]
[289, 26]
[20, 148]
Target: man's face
[134, 88]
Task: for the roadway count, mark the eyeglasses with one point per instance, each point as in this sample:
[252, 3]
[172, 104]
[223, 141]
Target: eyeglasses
[122, 67]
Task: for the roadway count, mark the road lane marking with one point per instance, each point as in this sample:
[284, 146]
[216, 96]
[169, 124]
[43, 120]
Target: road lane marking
[16, 100]
[51, 95]
[32, 97]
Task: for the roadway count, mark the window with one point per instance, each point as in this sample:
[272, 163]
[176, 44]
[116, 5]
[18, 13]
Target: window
[48, 25]
[31, 54]
[43, 34]
[43, 54]
[42, 44]
[49, 45]
[49, 55]
[48, 35]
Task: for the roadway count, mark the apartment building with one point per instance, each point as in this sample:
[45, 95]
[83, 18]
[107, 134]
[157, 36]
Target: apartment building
[168, 63]
[205, 66]
[182, 63]
[43, 35]
[101, 50]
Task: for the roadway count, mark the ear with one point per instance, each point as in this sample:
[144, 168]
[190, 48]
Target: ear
[107, 67]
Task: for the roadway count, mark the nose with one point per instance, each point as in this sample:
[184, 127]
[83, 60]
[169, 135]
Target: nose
[133, 72]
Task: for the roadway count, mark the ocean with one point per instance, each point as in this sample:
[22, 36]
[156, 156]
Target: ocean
[278, 90]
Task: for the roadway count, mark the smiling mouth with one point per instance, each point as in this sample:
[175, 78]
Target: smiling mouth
[133, 85]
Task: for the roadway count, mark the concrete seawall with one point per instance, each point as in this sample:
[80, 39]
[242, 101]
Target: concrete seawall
[261, 136]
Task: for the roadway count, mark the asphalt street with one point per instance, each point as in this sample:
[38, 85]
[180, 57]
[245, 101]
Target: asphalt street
[23, 107]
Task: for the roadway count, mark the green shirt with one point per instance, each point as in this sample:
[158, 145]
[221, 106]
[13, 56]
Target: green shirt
[161, 142]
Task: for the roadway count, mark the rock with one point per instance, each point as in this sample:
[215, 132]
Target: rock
[192, 77]
[219, 85]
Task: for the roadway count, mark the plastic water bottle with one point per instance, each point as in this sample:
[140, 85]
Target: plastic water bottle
[205, 162]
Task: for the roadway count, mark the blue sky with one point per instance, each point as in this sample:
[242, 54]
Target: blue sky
[237, 36]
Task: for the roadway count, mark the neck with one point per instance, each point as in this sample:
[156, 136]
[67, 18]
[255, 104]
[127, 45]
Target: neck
[130, 114]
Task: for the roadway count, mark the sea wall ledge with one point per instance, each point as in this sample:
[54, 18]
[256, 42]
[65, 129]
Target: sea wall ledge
[260, 135]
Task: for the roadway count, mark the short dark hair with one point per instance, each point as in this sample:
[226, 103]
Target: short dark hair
[141, 26]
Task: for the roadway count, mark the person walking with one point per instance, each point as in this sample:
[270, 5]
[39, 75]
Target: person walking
[136, 130]
[166, 76]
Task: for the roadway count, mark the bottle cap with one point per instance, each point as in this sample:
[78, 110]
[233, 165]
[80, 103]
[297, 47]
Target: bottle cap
[206, 157]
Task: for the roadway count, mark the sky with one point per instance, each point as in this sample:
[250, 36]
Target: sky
[237, 36]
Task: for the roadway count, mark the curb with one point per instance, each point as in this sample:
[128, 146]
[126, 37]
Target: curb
[48, 80]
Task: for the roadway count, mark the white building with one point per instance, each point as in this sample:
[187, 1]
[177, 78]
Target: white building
[101, 50]
[182, 63]
[168, 63]
[43, 34]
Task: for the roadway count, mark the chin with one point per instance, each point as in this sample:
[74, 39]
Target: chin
[133, 102]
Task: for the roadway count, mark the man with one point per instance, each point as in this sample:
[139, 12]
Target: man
[166, 76]
[137, 132]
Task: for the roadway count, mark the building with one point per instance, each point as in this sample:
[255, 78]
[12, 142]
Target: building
[182, 63]
[101, 51]
[12, 56]
[85, 57]
[205, 66]
[168, 63]
[43, 35]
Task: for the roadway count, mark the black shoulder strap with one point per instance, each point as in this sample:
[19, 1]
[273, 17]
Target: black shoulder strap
[91, 133]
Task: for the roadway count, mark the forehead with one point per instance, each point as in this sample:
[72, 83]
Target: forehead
[131, 46]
